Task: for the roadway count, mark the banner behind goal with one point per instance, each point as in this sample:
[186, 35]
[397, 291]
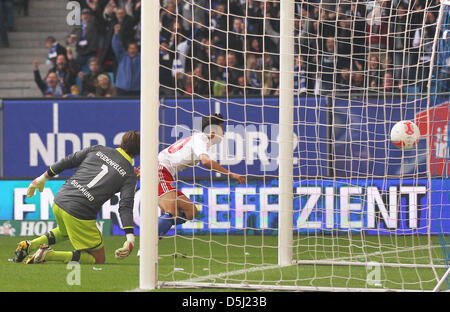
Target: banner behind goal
[310, 91]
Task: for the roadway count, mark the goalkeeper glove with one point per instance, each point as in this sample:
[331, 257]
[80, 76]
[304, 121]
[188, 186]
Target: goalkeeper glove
[37, 183]
[126, 249]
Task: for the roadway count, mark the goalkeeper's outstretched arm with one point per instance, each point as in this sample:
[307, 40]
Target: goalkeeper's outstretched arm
[214, 165]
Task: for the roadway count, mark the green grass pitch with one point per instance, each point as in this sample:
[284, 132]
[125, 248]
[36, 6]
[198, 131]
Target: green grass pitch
[232, 259]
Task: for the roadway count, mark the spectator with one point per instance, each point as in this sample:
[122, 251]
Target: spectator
[96, 9]
[218, 69]
[182, 48]
[128, 81]
[358, 85]
[177, 71]
[107, 19]
[241, 88]
[127, 32]
[343, 80]
[424, 38]
[86, 38]
[255, 17]
[275, 82]
[200, 83]
[109, 12]
[377, 26]
[188, 86]
[178, 34]
[374, 74]
[299, 75]
[66, 72]
[358, 25]
[388, 83]
[127, 5]
[235, 7]
[166, 79]
[74, 91]
[271, 82]
[89, 81]
[200, 54]
[194, 12]
[219, 21]
[344, 43]
[399, 41]
[104, 87]
[3, 30]
[328, 66]
[236, 36]
[233, 68]
[51, 87]
[255, 48]
[253, 75]
[55, 49]
[219, 88]
[168, 14]
[219, 76]
[307, 32]
[272, 26]
[327, 21]
[137, 18]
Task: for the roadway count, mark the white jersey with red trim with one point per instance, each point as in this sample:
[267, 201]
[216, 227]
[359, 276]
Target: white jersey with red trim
[184, 153]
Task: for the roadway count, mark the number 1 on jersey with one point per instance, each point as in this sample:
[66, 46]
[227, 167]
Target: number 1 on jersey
[99, 176]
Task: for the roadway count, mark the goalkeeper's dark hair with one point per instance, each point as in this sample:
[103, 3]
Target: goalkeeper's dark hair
[216, 119]
[131, 143]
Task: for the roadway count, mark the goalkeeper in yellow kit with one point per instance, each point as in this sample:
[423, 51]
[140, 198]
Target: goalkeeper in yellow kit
[101, 172]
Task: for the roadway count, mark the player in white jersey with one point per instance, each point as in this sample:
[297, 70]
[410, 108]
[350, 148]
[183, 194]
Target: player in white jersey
[177, 208]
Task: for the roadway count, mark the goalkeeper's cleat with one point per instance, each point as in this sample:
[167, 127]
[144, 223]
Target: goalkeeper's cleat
[22, 251]
[39, 256]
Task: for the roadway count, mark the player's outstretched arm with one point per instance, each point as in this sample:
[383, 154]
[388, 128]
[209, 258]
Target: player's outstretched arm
[214, 165]
[38, 183]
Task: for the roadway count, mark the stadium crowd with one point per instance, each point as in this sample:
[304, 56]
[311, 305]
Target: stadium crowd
[232, 48]
[100, 57]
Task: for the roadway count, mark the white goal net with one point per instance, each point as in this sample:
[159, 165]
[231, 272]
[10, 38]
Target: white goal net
[309, 91]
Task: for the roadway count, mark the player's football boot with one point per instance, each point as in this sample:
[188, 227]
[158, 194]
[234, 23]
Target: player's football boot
[38, 256]
[22, 251]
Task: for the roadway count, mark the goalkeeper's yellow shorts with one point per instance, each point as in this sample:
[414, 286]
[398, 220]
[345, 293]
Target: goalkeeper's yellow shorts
[83, 234]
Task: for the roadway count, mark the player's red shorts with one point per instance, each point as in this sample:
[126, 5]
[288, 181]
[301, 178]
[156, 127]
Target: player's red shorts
[166, 182]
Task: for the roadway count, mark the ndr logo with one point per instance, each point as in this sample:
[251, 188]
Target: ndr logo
[56, 146]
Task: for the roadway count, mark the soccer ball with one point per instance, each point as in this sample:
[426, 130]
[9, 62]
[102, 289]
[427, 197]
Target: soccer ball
[405, 134]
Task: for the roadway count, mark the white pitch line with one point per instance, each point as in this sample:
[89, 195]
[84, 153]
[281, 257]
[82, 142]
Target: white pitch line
[272, 267]
[378, 253]
[226, 274]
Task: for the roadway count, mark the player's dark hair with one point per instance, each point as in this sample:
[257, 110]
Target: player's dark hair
[131, 143]
[216, 119]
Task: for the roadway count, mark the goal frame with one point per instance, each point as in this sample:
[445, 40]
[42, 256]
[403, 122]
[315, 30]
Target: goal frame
[148, 277]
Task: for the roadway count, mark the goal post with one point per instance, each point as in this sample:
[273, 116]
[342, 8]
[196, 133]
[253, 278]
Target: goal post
[286, 139]
[309, 92]
[149, 120]
[442, 10]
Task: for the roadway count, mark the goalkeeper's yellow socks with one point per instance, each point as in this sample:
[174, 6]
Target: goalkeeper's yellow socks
[37, 242]
[49, 238]
[68, 256]
[61, 256]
